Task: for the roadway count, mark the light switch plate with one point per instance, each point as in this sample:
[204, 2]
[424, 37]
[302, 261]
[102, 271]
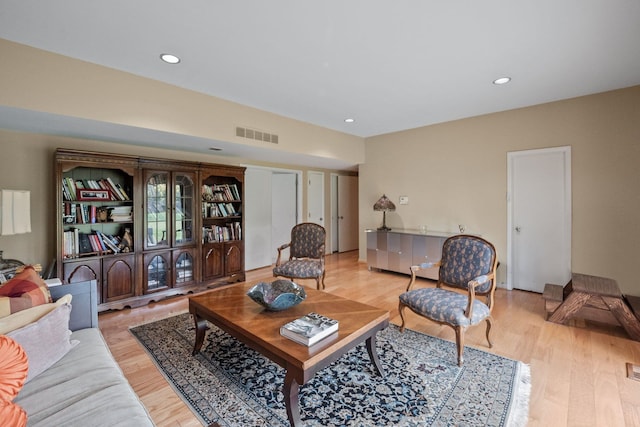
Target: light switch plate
[404, 200]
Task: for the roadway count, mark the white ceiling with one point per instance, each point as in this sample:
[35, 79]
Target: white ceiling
[390, 65]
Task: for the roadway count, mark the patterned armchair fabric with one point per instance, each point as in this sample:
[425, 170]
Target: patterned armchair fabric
[463, 259]
[445, 306]
[469, 263]
[306, 254]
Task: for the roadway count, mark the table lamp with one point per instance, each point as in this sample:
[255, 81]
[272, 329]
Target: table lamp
[384, 204]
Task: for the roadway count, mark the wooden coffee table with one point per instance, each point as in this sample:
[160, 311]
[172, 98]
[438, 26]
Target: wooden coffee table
[233, 311]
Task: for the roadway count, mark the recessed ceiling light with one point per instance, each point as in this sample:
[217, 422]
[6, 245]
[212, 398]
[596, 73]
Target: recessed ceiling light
[349, 120]
[169, 58]
[502, 81]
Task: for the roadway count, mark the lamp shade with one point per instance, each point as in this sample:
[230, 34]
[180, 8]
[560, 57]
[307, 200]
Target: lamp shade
[384, 204]
[15, 212]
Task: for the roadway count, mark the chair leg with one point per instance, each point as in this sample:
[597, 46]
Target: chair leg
[489, 324]
[323, 286]
[401, 308]
[460, 343]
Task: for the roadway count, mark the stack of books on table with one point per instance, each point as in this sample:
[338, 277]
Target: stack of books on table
[309, 329]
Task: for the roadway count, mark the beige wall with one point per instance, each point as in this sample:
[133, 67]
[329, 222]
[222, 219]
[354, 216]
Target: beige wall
[27, 163]
[447, 170]
[37, 80]
[456, 172]
[41, 81]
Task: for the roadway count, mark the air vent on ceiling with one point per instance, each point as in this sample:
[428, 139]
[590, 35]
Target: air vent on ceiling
[259, 135]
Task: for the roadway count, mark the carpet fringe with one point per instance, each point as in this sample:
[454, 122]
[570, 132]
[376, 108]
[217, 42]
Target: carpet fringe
[519, 414]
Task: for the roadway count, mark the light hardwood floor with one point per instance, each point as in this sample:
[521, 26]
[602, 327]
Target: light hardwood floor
[578, 372]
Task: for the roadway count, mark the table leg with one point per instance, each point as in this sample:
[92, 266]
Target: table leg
[373, 354]
[571, 304]
[201, 327]
[624, 315]
[291, 400]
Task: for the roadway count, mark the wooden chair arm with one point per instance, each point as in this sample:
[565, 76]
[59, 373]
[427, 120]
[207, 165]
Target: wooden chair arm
[473, 284]
[415, 268]
[280, 249]
[322, 249]
[481, 280]
[472, 296]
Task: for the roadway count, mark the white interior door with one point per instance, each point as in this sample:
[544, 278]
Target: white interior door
[272, 207]
[258, 250]
[347, 213]
[539, 218]
[315, 197]
[284, 210]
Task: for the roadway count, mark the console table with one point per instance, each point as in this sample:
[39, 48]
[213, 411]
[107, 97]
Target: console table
[397, 250]
[590, 297]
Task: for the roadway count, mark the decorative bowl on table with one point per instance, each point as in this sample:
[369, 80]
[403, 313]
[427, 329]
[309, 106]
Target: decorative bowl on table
[277, 295]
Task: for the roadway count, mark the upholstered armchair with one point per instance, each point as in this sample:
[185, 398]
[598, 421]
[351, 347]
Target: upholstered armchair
[467, 268]
[306, 254]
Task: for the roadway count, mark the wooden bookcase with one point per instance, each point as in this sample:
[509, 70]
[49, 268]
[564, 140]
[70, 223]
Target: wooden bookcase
[222, 224]
[137, 226]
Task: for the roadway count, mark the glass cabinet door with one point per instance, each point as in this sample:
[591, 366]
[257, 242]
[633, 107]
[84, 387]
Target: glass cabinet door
[183, 268]
[157, 272]
[157, 214]
[184, 203]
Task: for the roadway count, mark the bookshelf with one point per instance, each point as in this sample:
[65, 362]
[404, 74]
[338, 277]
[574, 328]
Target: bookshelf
[142, 228]
[222, 224]
[95, 195]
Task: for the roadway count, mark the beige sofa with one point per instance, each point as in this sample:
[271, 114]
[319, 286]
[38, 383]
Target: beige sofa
[86, 387]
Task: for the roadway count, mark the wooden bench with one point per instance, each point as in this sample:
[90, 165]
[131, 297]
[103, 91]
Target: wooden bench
[593, 298]
[552, 298]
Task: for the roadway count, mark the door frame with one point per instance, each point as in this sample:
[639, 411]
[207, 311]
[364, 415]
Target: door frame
[334, 213]
[566, 150]
[348, 234]
[318, 181]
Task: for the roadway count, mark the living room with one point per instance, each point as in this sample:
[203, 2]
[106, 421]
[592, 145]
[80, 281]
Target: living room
[453, 172]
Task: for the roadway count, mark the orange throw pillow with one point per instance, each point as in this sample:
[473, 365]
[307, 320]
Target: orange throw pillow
[14, 367]
[12, 415]
[25, 290]
[13, 373]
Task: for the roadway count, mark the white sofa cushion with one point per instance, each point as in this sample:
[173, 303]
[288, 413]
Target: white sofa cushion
[46, 340]
[85, 387]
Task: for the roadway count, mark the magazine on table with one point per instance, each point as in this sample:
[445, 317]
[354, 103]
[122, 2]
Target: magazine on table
[309, 329]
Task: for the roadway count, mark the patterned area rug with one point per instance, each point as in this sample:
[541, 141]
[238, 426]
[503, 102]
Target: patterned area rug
[235, 386]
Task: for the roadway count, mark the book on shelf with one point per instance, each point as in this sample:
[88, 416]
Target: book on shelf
[70, 243]
[216, 233]
[309, 329]
[234, 190]
[107, 243]
[120, 213]
[220, 193]
[85, 246]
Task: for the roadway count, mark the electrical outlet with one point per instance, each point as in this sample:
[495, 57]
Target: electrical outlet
[404, 200]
